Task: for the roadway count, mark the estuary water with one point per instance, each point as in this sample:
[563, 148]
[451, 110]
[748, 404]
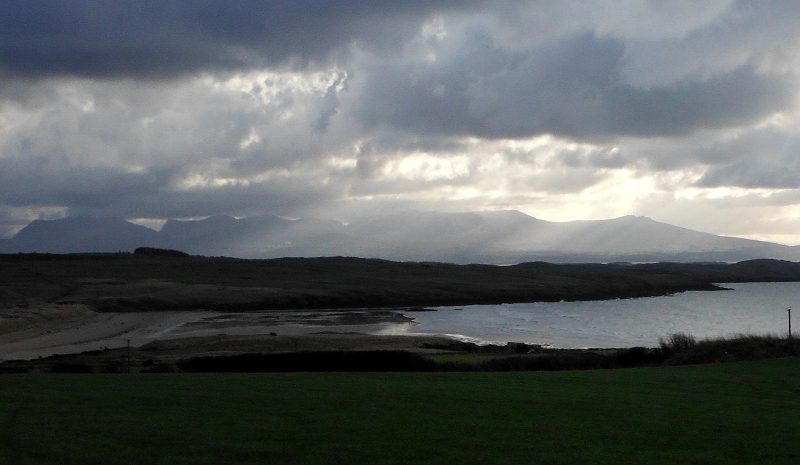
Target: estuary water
[749, 308]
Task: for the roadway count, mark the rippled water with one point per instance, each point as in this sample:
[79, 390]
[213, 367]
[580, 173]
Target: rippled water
[757, 308]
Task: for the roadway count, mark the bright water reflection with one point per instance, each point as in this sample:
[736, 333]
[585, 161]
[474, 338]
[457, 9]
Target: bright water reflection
[757, 308]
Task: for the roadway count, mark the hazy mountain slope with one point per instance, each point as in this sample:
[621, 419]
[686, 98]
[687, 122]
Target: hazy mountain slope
[416, 235]
[259, 236]
[470, 237]
[632, 234]
[82, 234]
[412, 226]
[512, 236]
[219, 235]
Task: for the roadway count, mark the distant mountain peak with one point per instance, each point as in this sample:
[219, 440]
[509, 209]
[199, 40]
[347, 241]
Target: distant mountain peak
[77, 234]
[507, 236]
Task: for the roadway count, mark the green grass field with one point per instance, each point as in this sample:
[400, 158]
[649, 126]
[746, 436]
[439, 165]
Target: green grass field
[746, 413]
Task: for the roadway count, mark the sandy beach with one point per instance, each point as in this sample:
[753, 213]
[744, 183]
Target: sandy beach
[80, 330]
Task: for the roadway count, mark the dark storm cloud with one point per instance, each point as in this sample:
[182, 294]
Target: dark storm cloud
[571, 87]
[762, 159]
[42, 181]
[164, 38]
[152, 193]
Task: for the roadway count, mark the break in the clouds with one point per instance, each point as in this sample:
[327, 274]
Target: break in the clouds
[682, 111]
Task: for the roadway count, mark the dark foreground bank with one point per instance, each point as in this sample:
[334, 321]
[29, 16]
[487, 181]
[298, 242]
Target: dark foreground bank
[430, 355]
[677, 349]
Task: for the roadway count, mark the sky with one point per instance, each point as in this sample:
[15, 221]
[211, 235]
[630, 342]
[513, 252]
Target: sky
[683, 111]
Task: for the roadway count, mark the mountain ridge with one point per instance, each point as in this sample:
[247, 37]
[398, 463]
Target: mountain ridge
[493, 237]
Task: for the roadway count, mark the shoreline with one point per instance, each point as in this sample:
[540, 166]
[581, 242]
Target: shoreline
[69, 304]
[89, 330]
[69, 329]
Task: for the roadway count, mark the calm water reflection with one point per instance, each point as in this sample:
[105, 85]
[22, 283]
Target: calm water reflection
[758, 308]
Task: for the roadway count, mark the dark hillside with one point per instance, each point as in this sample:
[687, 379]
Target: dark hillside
[135, 282]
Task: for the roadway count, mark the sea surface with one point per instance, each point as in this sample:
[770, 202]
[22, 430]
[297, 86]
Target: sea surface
[749, 308]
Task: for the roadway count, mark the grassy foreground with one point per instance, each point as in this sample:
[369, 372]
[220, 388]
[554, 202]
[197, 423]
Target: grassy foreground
[728, 413]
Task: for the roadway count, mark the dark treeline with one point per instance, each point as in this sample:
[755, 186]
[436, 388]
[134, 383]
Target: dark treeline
[339, 361]
[677, 349]
[392, 361]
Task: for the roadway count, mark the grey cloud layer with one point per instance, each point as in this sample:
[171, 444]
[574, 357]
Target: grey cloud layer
[128, 108]
[174, 150]
[152, 194]
[572, 84]
[571, 87]
[165, 38]
[762, 159]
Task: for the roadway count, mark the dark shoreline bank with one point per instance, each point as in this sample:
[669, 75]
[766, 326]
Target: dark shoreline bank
[128, 282]
[349, 352]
